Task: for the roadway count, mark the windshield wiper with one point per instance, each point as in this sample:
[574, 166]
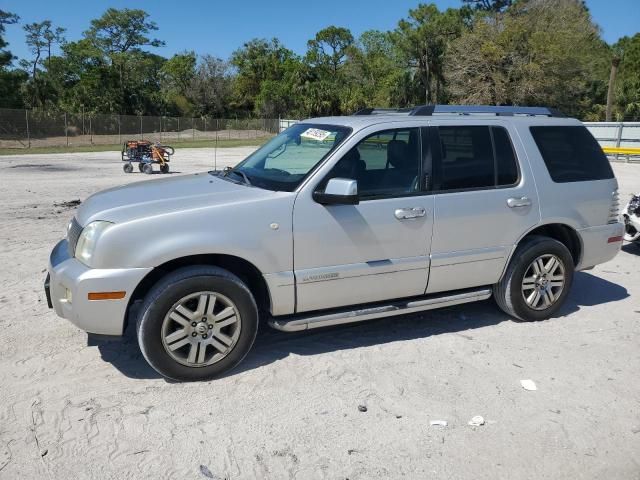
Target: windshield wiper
[244, 176]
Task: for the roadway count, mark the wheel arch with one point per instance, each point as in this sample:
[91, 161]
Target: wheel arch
[240, 267]
[562, 232]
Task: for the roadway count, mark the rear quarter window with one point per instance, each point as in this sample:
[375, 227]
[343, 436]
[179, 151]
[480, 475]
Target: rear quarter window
[571, 154]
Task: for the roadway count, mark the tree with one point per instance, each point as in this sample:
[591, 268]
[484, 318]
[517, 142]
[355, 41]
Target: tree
[373, 71]
[489, 5]
[120, 35]
[177, 75]
[258, 61]
[627, 86]
[329, 48]
[6, 18]
[210, 89]
[122, 31]
[615, 63]
[540, 52]
[423, 39]
[325, 87]
[10, 80]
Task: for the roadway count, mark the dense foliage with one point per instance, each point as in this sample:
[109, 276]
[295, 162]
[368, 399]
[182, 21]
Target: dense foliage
[503, 52]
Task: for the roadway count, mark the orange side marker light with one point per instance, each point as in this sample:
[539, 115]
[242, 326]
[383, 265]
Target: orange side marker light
[106, 295]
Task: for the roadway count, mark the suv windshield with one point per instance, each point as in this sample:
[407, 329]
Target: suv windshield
[283, 162]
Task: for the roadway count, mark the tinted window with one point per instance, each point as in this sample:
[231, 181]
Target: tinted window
[506, 166]
[384, 164]
[571, 154]
[466, 159]
[474, 157]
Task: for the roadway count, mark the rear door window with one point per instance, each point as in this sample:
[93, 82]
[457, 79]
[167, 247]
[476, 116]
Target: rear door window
[571, 154]
[474, 158]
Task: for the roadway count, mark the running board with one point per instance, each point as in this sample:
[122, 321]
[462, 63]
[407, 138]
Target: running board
[305, 322]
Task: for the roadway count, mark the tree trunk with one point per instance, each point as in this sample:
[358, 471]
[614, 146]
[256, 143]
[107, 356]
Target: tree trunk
[615, 62]
[427, 80]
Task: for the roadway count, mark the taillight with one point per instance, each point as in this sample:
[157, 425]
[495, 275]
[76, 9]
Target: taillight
[614, 211]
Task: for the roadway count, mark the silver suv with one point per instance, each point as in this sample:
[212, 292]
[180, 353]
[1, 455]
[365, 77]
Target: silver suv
[338, 220]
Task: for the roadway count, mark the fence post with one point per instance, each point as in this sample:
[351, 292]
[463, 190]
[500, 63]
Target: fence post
[178, 118]
[193, 128]
[160, 128]
[26, 117]
[119, 131]
[90, 131]
[66, 129]
[619, 139]
[205, 124]
[141, 134]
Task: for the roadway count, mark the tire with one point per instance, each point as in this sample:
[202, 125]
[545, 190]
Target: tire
[141, 167]
[164, 168]
[156, 325]
[147, 168]
[127, 167]
[511, 291]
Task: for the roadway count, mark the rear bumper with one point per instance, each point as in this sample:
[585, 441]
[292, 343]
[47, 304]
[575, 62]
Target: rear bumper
[600, 244]
[69, 283]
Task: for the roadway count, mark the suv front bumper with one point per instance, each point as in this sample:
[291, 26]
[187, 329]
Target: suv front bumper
[69, 283]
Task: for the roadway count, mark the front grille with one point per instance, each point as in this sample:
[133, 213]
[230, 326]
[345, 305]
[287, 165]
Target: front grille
[614, 211]
[73, 233]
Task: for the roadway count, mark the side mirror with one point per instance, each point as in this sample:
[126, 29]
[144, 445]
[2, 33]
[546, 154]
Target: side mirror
[339, 191]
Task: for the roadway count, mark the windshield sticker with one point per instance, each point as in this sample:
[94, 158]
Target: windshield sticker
[315, 134]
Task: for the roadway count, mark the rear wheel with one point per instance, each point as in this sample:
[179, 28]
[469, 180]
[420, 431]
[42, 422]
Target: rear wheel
[197, 323]
[147, 168]
[127, 167]
[537, 280]
[164, 168]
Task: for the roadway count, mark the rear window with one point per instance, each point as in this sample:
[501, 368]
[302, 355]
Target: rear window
[571, 154]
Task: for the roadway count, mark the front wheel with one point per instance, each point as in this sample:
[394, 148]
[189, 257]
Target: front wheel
[127, 167]
[197, 323]
[147, 168]
[537, 280]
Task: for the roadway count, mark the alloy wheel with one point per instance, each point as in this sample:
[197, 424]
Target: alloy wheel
[201, 329]
[543, 282]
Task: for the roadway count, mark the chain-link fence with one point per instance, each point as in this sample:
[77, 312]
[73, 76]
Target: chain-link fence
[35, 128]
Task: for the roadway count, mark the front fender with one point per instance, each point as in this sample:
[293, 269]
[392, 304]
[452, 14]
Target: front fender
[259, 231]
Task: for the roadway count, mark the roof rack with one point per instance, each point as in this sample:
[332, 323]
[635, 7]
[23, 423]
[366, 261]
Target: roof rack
[428, 110]
[385, 111]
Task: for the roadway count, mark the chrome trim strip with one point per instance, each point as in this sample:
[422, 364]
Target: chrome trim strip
[400, 308]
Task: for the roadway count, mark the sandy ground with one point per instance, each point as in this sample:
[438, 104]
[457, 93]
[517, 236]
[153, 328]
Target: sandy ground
[73, 410]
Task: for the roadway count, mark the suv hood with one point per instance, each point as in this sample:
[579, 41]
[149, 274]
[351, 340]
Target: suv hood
[155, 197]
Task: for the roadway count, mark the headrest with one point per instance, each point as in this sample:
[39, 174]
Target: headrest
[398, 154]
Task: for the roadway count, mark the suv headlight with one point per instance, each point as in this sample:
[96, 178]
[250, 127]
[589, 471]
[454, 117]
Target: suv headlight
[88, 239]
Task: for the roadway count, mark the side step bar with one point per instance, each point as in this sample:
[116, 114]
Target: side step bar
[305, 322]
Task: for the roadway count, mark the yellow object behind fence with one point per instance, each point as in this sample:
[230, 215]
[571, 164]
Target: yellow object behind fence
[621, 150]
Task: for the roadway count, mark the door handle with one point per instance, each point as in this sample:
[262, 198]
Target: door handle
[519, 202]
[408, 213]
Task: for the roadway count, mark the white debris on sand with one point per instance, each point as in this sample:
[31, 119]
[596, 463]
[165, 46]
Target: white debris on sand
[438, 423]
[528, 385]
[476, 421]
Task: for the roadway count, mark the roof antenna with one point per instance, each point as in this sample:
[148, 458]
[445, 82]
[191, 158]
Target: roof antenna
[215, 153]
